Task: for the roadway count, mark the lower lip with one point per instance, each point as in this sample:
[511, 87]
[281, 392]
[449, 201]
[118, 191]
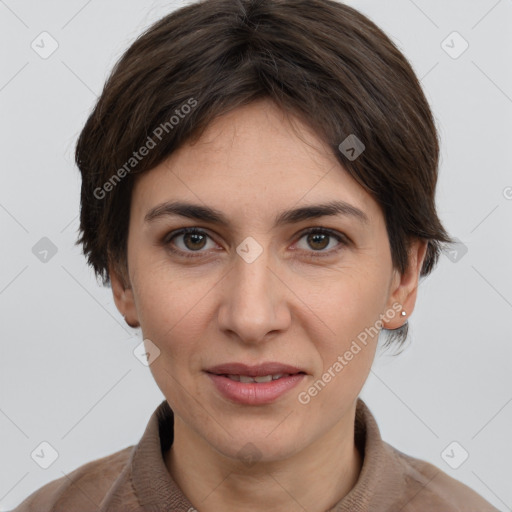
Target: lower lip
[254, 393]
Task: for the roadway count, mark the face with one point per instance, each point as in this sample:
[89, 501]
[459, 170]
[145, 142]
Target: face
[260, 286]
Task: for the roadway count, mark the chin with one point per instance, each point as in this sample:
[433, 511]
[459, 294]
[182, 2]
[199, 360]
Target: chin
[253, 448]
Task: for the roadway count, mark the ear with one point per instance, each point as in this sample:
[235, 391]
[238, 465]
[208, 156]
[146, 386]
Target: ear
[404, 287]
[123, 296]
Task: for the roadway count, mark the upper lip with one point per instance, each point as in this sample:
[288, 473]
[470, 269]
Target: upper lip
[270, 368]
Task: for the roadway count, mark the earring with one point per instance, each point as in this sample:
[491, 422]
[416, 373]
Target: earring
[402, 313]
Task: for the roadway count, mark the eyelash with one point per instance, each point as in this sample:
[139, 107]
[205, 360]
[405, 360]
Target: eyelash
[342, 239]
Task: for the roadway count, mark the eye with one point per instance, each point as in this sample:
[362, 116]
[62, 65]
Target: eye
[319, 239]
[192, 241]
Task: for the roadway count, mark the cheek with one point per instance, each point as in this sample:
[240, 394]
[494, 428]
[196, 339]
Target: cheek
[172, 311]
[346, 362]
[170, 316]
[351, 305]
[350, 309]
[162, 297]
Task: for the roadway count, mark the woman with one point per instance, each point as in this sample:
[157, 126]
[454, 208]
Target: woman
[258, 187]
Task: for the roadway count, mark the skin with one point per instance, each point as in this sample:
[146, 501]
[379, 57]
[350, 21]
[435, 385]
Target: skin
[289, 305]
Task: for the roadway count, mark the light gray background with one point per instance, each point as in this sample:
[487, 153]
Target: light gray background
[67, 372]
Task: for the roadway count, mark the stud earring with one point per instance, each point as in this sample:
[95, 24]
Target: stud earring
[403, 313]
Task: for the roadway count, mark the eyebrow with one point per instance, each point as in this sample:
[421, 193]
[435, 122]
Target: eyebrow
[211, 215]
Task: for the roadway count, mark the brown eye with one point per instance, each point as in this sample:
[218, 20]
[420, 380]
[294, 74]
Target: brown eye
[194, 241]
[187, 241]
[319, 239]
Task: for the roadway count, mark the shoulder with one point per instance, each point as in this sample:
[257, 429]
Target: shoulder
[429, 488]
[81, 490]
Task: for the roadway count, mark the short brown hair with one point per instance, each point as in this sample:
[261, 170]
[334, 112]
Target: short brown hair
[320, 60]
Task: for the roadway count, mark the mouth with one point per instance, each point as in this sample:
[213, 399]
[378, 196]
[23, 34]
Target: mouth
[268, 371]
[260, 378]
[254, 385]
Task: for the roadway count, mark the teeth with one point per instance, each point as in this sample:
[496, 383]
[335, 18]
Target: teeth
[262, 378]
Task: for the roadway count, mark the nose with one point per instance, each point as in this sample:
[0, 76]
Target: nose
[254, 300]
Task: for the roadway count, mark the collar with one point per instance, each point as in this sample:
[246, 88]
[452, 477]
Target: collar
[379, 487]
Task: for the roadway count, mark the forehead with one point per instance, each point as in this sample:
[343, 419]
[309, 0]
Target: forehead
[253, 161]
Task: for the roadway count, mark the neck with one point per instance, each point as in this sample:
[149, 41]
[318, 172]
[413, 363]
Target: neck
[314, 479]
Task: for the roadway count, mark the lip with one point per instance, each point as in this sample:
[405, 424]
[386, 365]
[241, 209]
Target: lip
[254, 393]
[269, 368]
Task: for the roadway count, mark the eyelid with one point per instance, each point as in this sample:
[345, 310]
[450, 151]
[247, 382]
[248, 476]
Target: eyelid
[343, 240]
[168, 237]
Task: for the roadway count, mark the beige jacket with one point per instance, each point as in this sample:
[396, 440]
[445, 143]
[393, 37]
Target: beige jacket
[135, 479]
